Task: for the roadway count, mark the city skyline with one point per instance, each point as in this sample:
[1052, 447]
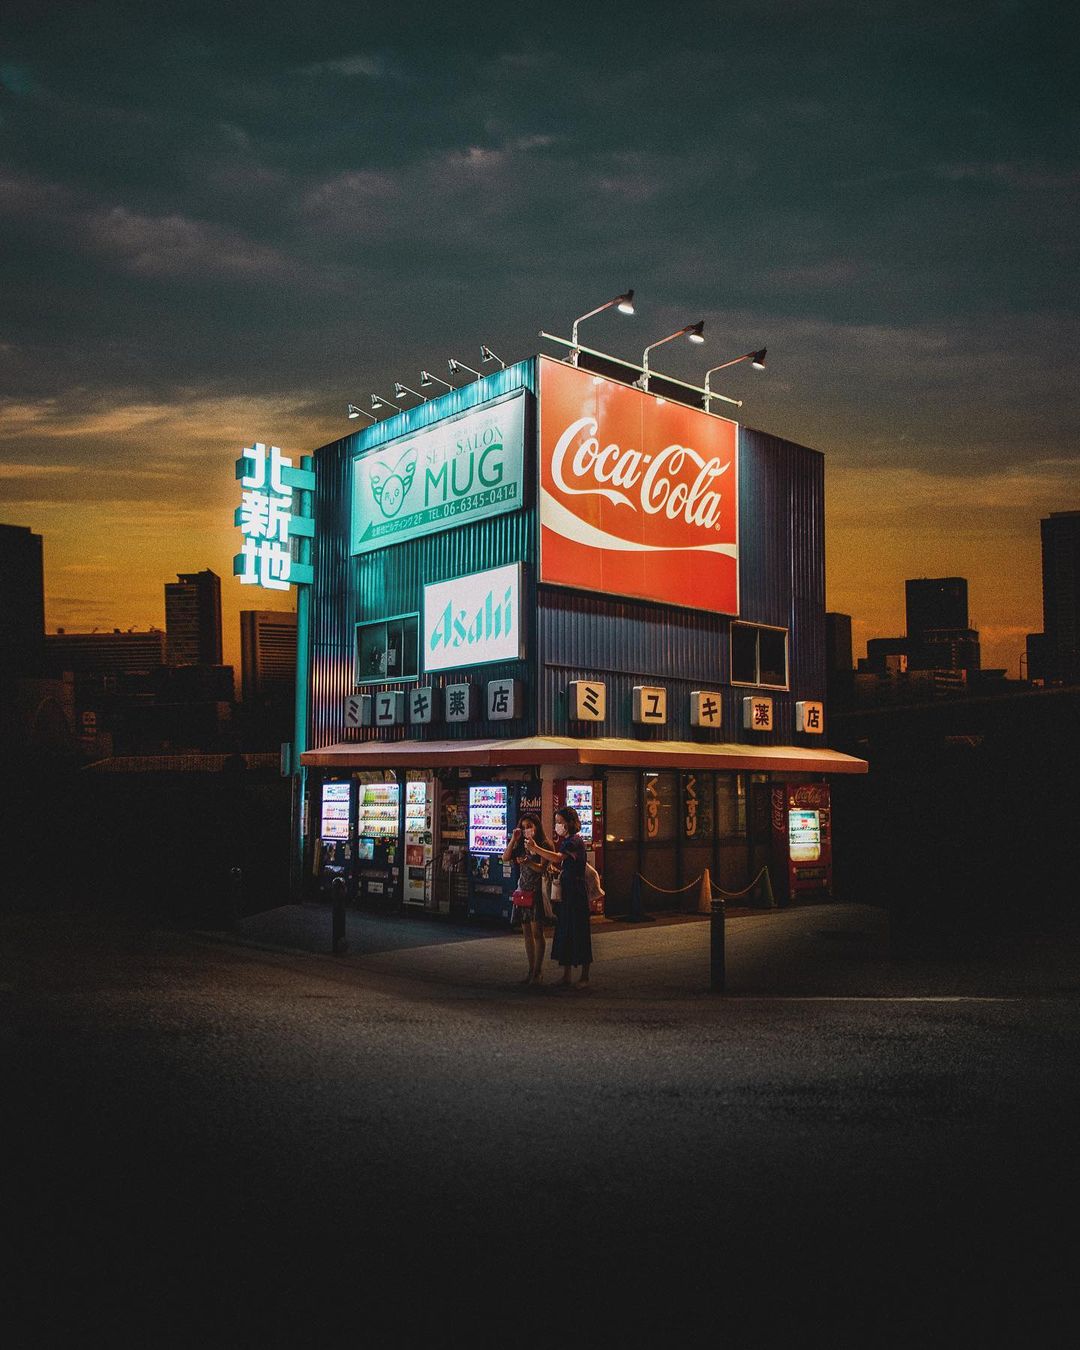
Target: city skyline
[218, 233]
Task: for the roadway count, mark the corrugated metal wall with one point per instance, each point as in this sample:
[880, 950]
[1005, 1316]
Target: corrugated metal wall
[390, 580]
[626, 642]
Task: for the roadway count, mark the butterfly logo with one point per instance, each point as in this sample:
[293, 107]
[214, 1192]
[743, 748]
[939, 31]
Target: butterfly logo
[390, 489]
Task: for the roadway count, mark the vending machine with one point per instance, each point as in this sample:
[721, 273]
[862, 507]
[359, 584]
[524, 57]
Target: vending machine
[335, 847]
[802, 839]
[378, 844]
[419, 850]
[488, 828]
[587, 799]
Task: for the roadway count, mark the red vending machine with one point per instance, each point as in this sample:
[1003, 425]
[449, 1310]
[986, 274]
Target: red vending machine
[802, 839]
[586, 796]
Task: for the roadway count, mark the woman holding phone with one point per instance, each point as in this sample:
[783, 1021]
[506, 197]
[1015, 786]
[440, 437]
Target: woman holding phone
[573, 932]
[531, 871]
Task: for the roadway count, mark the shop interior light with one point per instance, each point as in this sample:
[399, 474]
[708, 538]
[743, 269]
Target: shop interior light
[486, 354]
[427, 380]
[400, 390]
[695, 332]
[625, 303]
[353, 412]
[455, 366]
[756, 359]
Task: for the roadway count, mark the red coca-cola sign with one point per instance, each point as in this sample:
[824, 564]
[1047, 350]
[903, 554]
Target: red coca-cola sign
[638, 497]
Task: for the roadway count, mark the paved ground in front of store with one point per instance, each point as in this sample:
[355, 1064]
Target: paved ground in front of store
[228, 1140]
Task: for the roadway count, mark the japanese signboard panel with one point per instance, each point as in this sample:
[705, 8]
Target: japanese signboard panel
[442, 476]
[473, 620]
[638, 496]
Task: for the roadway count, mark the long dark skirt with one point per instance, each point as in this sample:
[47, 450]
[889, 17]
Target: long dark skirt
[573, 934]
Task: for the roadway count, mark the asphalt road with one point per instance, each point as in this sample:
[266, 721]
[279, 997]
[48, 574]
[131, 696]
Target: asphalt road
[213, 1144]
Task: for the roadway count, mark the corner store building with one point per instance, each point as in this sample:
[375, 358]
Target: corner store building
[549, 577]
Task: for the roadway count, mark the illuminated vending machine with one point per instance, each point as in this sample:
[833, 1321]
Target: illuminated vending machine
[490, 879]
[335, 852]
[378, 838]
[802, 839]
[419, 852]
[587, 799]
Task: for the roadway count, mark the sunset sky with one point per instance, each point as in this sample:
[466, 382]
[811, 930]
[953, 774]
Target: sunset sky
[223, 223]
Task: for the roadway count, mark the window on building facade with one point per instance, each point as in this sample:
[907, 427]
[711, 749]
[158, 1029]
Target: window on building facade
[759, 655]
[388, 649]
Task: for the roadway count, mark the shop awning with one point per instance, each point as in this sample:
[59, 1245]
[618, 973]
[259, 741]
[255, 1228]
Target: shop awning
[614, 751]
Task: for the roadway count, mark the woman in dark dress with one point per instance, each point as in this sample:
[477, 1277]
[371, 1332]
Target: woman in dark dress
[573, 932]
[531, 875]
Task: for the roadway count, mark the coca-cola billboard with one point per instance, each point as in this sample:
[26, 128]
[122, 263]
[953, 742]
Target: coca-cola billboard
[638, 497]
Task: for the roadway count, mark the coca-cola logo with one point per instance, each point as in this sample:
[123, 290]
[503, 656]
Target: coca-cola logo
[676, 481]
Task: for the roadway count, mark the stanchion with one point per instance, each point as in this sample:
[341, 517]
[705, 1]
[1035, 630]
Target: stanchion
[337, 893]
[767, 897]
[637, 913]
[717, 972]
[704, 901]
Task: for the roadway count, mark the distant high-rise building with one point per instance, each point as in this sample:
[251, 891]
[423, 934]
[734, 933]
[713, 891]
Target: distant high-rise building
[1035, 657]
[267, 654]
[838, 643]
[193, 619]
[22, 601]
[935, 603]
[1061, 595]
[115, 653]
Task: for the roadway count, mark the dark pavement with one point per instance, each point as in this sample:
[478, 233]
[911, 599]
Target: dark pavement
[216, 1143]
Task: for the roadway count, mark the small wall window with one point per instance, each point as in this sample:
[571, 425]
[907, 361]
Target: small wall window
[388, 649]
[759, 655]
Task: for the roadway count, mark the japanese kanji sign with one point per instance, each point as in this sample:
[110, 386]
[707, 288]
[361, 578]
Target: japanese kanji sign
[705, 708]
[810, 717]
[504, 700]
[588, 700]
[650, 705]
[458, 702]
[267, 521]
[757, 714]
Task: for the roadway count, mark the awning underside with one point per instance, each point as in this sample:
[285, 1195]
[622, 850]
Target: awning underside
[617, 752]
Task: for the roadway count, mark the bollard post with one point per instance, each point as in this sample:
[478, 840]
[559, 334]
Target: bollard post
[717, 973]
[236, 898]
[337, 938]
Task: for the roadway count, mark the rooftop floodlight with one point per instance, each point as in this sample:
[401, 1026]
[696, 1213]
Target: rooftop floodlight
[400, 390]
[486, 354]
[377, 403]
[427, 380]
[454, 366]
[353, 412]
[625, 303]
[756, 359]
[694, 331]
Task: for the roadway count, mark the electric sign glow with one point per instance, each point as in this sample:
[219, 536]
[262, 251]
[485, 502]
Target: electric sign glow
[473, 620]
[266, 519]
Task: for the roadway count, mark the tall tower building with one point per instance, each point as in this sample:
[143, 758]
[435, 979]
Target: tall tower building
[193, 619]
[267, 654]
[935, 603]
[1061, 595]
[22, 601]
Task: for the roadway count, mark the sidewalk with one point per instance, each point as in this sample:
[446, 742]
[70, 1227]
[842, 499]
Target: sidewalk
[824, 951]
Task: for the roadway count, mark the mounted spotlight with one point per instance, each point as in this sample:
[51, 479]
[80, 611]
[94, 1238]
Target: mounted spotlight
[756, 359]
[427, 380]
[353, 412]
[486, 354]
[625, 303]
[377, 403]
[400, 390]
[455, 366]
[694, 332]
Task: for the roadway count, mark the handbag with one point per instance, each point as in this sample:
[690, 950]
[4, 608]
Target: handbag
[522, 899]
[593, 888]
[555, 889]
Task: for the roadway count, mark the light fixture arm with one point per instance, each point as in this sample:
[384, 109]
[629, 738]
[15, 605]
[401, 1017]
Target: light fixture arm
[406, 390]
[455, 365]
[757, 357]
[643, 383]
[352, 412]
[627, 298]
[426, 377]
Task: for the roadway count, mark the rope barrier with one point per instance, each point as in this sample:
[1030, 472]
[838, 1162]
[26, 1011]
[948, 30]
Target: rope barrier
[689, 885]
[735, 895]
[717, 891]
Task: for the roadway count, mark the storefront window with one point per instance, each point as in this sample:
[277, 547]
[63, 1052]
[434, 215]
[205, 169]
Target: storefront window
[730, 805]
[620, 803]
[697, 814]
[759, 655]
[387, 649]
[659, 807]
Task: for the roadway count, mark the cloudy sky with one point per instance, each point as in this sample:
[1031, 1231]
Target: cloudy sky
[221, 223]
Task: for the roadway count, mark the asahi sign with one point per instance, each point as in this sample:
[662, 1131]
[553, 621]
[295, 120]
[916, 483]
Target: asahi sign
[473, 620]
[443, 476]
[638, 496]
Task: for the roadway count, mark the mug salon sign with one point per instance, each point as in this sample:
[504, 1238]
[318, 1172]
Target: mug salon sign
[473, 620]
[442, 476]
